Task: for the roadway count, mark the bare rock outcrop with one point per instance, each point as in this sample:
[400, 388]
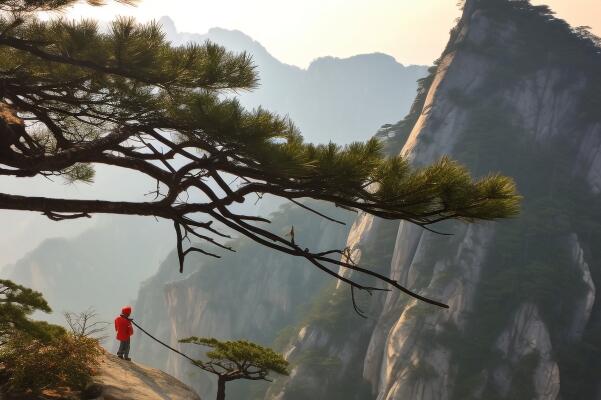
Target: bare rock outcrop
[126, 380]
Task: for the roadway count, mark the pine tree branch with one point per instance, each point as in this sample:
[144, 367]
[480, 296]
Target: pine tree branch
[141, 105]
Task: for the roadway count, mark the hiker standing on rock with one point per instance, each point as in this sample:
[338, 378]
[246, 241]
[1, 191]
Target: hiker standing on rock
[124, 330]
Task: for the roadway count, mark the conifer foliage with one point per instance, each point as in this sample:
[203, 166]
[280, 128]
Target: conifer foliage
[74, 96]
[239, 359]
[36, 355]
[17, 303]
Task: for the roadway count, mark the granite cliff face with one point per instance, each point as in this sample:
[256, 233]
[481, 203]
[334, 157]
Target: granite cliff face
[514, 92]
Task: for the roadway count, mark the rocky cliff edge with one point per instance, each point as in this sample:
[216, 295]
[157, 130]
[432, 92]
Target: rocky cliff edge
[127, 380]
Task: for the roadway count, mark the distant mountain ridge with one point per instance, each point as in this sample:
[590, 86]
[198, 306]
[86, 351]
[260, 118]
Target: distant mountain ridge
[339, 100]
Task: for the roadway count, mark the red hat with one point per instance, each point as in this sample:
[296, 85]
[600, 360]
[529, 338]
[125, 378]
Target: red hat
[126, 310]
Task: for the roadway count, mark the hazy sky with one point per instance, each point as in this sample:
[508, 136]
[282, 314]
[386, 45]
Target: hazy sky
[296, 32]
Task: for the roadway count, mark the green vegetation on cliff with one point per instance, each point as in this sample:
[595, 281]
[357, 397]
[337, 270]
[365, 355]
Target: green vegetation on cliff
[35, 355]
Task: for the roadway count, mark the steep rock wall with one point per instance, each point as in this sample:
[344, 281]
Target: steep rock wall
[511, 93]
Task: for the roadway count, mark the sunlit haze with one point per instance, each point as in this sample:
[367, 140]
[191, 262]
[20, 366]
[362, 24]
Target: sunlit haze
[296, 32]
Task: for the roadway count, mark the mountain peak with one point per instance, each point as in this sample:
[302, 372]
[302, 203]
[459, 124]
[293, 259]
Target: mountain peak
[232, 39]
[168, 25]
[233, 33]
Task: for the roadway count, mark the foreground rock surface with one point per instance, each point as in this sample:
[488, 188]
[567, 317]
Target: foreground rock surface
[128, 380]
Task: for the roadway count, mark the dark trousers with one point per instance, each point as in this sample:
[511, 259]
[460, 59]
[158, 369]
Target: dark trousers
[123, 348]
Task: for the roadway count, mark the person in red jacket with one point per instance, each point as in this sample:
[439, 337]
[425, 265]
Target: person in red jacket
[124, 330]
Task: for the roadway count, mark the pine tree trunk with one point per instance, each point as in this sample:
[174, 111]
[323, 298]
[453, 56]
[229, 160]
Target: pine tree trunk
[221, 389]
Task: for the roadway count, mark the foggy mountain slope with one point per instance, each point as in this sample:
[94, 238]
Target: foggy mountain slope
[100, 268]
[340, 100]
[253, 294]
[515, 91]
[28, 229]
